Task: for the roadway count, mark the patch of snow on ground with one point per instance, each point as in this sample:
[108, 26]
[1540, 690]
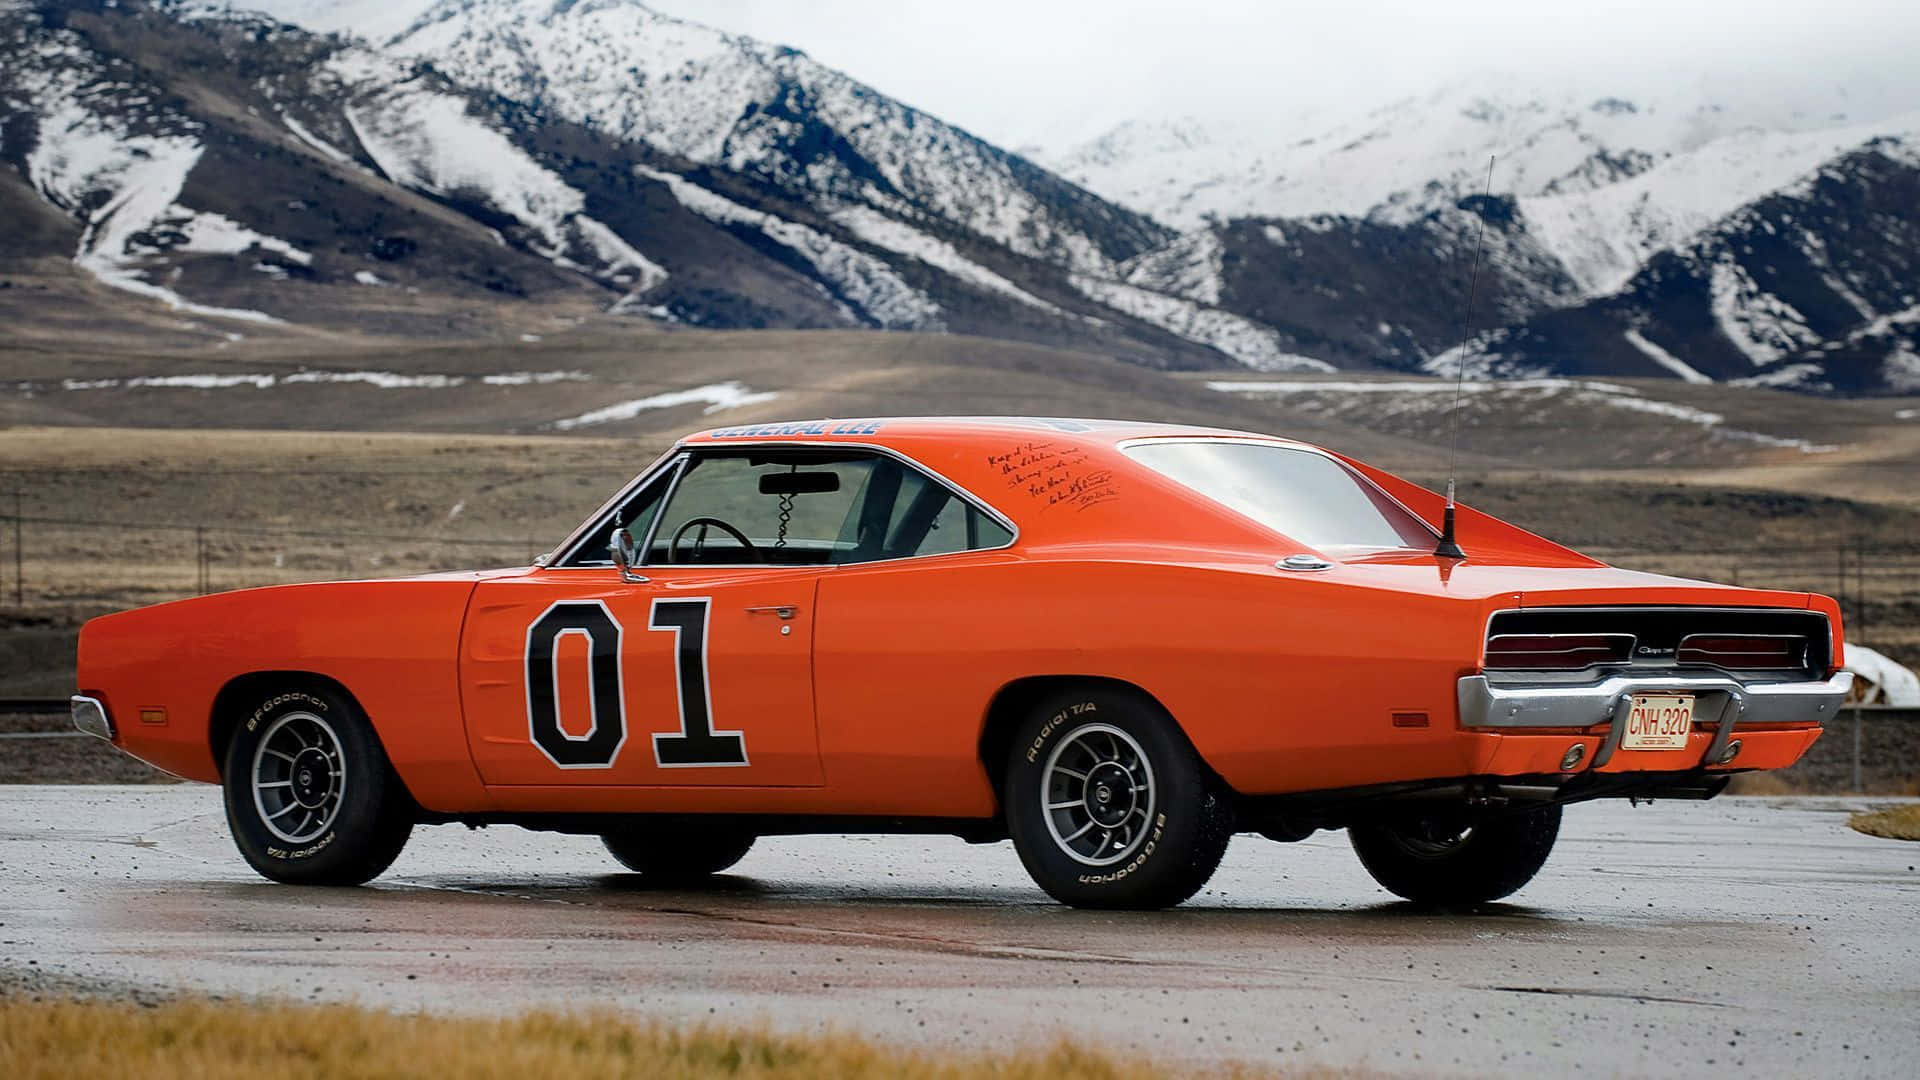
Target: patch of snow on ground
[300, 132]
[381, 380]
[213, 234]
[897, 236]
[1244, 340]
[1191, 266]
[854, 276]
[1759, 324]
[620, 257]
[1901, 370]
[368, 277]
[1664, 358]
[1435, 396]
[384, 380]
[717, 397]
[188, 382]
[533, 378]
[1788, 376]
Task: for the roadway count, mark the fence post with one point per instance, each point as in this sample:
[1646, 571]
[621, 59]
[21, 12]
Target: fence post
[1860, 586]
[1857, 786]
[19, 561]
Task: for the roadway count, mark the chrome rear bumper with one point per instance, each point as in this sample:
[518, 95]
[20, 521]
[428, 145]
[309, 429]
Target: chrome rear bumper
[1722, 700]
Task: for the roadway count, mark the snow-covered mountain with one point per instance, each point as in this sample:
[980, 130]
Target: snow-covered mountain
[1814, 287]
[1396, 160]
[1590, 191]
[229, 165]
[380, 163]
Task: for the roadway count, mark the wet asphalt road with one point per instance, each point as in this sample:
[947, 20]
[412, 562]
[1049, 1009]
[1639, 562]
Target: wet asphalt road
[1745, 935]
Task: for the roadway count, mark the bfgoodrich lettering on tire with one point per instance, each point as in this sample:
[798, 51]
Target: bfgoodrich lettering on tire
[311, 798]
[1109, 806]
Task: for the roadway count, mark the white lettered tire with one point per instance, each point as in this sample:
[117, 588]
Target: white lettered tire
[311, 798]
[1108, 804]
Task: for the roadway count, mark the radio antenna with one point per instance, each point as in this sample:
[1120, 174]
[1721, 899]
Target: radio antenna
[1448, 547]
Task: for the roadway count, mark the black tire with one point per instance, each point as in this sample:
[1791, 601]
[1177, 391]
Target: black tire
[363, 815]
[1175, 829]
[680, 850]
[1454, 858]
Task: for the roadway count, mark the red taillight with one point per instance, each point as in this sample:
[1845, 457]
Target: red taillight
[1558, 651]
[1746, 652]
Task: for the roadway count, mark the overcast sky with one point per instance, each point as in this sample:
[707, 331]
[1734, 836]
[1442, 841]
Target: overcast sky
[1054, 71]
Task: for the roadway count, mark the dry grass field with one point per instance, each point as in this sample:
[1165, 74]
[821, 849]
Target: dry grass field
[294, 457]
[206, 1040]
[1896, 823]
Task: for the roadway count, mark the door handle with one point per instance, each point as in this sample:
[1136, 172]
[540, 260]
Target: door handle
[784, 611]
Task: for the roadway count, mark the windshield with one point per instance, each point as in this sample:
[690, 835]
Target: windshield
[1307, 496]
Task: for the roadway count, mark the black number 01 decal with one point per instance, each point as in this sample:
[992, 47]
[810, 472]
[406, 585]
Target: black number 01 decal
[694, 745]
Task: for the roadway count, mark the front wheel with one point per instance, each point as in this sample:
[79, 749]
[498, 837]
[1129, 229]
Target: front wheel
[311, 798]
[1109, 806]
[1454, 857]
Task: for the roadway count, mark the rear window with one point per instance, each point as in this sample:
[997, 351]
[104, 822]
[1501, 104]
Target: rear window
[1307, 496]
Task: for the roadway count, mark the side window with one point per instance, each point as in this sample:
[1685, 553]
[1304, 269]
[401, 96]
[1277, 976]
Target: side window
[796, 508]
[929, 519]
[790, 508]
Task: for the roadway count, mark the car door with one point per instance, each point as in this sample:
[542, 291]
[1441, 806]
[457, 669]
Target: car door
[697, 673]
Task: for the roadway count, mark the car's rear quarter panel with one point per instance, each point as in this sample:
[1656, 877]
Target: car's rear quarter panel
[393, 644]
[1282, 684]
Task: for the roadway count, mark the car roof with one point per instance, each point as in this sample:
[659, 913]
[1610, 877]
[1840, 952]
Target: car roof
[886, 431]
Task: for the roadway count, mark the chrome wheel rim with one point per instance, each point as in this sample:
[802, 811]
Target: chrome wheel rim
[299, 777]
[1097, 794]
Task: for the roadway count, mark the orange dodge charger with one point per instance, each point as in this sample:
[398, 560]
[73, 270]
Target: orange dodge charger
[1115, 643]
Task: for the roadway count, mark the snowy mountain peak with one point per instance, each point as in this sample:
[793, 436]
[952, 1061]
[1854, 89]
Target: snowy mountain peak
[1397, 160]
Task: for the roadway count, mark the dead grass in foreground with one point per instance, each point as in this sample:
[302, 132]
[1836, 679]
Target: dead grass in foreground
[1897, 823]
[206, 1040]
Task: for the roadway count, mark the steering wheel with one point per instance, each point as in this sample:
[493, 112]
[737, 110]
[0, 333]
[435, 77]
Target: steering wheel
[700, 542]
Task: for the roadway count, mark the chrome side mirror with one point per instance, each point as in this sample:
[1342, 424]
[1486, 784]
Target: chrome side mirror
[622, 550]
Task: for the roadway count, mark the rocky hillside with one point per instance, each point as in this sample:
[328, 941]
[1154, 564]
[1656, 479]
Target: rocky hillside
[239, 169]
[417, 166]
[1680, 237]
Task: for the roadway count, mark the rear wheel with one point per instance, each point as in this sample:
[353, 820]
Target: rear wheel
[679, 850]
[1456, 857]
[311, 798]
[1109, 806]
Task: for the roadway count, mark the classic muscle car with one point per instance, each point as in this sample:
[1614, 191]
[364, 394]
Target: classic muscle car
[1116, 643]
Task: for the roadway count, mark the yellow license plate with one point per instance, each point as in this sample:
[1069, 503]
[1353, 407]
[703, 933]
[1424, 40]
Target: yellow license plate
[1659, 722]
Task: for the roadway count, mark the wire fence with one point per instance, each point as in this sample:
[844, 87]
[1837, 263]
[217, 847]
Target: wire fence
[53, 560]
[62, 560]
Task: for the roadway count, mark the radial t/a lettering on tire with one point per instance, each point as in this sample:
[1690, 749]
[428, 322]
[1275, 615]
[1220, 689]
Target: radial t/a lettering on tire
[311, 798]
[1109, 806]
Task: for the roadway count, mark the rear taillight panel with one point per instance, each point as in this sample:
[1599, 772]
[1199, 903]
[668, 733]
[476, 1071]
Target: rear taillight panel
[1762, 641]
[1557, 652]
[1744, 652]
